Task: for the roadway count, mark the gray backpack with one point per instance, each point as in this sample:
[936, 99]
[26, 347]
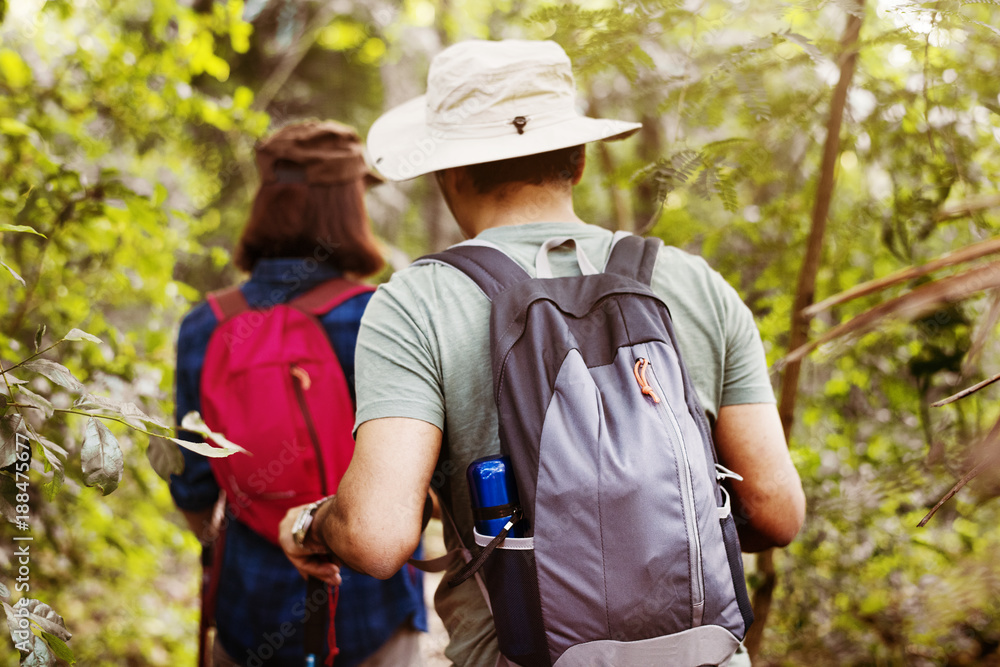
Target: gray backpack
[632, 556]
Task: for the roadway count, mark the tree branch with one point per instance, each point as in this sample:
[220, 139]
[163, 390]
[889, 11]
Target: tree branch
[967, 207]
[804, 294]
[912, 304]
[965, 392]
[621, 204]
[269, 90]
[960, 256]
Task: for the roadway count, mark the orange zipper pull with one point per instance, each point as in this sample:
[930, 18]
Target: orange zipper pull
[639, 370]
[302, 375]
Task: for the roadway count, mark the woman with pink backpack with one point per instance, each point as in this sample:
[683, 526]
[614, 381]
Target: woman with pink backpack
[270, 364]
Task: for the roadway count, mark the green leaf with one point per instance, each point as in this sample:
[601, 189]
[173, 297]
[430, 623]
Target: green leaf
[13, 273]
[29, 397]
[38, 337]
[101, 457]
[13, 69]
[11, 426]
[7, 493]
[159, 195]
[192, 421]
[46, 618]
[49, 446]
[40, 654]
[14, 128]
[55, 372]
[55, 457]
[7, 227]
[93, 401]
[204, 448]
[4, 593]
[165, 457]
[132, 411]
[12, 624]
[125, 409]
[59, 647]
[242, 98]
[51, 487]
[77, 334]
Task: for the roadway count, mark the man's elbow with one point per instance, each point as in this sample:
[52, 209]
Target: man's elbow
[772, 519]
[379, 558]
[790, 517]
[383, 567]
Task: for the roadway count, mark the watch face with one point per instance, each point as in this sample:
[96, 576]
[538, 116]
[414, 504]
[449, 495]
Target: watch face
[302, 524]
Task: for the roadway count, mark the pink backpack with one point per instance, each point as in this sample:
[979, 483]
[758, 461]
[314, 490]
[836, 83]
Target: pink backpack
[272, 384]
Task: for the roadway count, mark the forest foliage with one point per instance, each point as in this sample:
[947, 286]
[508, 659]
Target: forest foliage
[126, 143]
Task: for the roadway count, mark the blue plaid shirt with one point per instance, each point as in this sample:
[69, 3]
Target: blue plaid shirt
[259, 590]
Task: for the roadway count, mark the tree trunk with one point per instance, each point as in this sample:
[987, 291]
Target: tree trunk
[621, 205]
[648, 205]
[804, 296]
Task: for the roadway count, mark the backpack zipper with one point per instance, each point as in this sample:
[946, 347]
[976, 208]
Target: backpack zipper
[687, 495]
[300, 383]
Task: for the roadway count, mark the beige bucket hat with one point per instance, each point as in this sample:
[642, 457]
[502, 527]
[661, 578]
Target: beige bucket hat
[487, 101]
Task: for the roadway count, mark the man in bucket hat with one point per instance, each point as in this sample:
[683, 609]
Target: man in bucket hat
[499, 130]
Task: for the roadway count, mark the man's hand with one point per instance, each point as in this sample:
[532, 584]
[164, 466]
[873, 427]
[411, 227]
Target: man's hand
[312, 559]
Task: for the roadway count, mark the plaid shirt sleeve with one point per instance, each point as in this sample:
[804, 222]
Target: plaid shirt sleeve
[195, 488]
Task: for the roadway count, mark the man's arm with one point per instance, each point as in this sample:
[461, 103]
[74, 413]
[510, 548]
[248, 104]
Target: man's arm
[768, 504]
[373, 524]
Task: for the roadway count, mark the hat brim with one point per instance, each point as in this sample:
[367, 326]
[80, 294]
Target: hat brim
[401, 146]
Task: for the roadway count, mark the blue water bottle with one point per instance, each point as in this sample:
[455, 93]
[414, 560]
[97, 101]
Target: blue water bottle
[494, 495]
[508, 574]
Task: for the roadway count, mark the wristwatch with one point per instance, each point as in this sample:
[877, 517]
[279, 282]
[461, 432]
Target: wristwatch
[303, 522]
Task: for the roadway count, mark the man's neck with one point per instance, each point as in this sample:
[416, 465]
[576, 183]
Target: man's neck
[527, 204]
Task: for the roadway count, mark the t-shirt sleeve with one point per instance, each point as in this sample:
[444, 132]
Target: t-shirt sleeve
[397, 372]
[745, 378]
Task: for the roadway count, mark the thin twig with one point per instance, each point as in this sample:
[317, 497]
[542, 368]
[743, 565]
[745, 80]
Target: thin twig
[989, 441]
[955, 489]
[965, 392]
[10, 390]
[4, 371]
[109, 418]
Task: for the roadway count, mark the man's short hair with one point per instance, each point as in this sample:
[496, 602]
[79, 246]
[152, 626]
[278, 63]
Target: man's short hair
[551, 167]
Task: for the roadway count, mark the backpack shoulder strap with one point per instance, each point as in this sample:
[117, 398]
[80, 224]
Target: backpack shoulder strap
[227, 303]
[325, 297]
[634, 257]
[484, 263]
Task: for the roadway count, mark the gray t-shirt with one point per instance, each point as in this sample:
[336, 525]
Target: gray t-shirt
[423, 353]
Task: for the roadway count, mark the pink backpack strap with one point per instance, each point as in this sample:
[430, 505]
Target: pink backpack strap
[325, 297]
[227, 303]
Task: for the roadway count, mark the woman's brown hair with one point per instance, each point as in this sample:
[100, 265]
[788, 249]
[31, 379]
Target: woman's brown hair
[326, 222]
